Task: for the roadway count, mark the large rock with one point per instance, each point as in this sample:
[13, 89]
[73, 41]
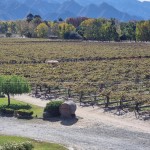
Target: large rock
[67, 109]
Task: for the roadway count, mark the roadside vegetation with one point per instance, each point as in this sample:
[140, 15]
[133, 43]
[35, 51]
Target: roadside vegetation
[16, 106]
[38, 145]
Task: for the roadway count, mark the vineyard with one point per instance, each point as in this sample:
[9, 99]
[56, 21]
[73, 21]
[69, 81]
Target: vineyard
[102, 73]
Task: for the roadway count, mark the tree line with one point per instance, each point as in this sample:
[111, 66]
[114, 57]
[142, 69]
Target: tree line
[78, 28]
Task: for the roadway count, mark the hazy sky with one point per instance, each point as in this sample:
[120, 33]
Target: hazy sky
[144, 0]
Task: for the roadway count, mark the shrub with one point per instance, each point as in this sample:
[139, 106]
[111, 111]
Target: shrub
[7, 111]
[27, 145]
[52, 109]
[16, 146]
[22, 113]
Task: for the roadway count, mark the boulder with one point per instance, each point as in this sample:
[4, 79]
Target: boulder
[67, 109]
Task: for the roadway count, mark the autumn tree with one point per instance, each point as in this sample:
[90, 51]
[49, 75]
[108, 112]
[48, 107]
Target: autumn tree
[143, 31]
[22, 27]
[98, 29]
[11, 85]
[86, 29]
[42, 30]
[25, 28]
[76, 21]
[53, 28]
[64, 29]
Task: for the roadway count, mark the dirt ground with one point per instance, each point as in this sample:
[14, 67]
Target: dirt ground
[92, 115]
[93, 129]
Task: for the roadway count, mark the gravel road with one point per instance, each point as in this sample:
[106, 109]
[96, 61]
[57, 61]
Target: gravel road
[93, 130]
[98, 137]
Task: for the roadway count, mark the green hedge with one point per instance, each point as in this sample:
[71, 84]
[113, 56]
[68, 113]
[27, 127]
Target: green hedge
[52, 109]
[22, 113]
[7, 111]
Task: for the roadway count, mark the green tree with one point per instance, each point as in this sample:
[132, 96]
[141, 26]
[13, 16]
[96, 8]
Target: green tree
[85, 29]
[29, 17]
[11, 85]
[37, 19]
[3, 27]
[128, 30]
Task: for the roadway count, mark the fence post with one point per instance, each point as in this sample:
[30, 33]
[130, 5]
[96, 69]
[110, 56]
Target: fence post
[121, 103]
[137, 107]
[69, 93]
[107, 101]
[95, 98]
[49, 89]
[80, 97]
[36, 90]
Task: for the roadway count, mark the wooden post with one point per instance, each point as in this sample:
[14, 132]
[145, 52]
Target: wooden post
[36, 91]
[49, 90]
[69, 93]
[40, 88]
[121, 103]
[137, 107]
[80, 98]
[107, 101]
[95, 98]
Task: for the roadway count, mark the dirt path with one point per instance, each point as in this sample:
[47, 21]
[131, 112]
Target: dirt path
[90, 116]
[94, 129]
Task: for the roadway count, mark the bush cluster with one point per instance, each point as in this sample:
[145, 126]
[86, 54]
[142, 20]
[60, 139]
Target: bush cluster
[52, 109]
[22, 113]
[7, 111]
[19, 113]
[16, 146]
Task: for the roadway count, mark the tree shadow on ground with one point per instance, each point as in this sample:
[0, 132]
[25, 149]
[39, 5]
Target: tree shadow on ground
[144, 116]
[69, 122]
[63, 121]
[108, 109]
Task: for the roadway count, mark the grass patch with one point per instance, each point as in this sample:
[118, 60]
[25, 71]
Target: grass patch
[16, 105]
[37, 145]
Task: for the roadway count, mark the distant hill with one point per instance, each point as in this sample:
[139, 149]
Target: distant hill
[105, 10]
[131, 7]
[123, 10]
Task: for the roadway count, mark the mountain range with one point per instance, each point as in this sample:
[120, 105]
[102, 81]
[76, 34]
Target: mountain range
[123, 10]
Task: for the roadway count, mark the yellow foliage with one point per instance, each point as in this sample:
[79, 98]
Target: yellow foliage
[42, 30]
[65, 27]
